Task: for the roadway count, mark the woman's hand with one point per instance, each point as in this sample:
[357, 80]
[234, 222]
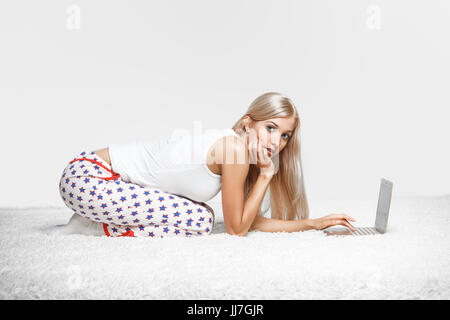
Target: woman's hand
[259, 156]
[332, 220]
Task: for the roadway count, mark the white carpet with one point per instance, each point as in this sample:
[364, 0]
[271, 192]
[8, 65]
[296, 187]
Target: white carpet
[410, 261]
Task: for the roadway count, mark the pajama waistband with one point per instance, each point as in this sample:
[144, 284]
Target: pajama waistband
[90, 164]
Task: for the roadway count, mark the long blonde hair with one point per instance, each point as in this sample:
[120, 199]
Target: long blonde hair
[288, 199]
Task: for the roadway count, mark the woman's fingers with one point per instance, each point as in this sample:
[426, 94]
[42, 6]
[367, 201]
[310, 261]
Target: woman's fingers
[348, 225]
[341, 216]
[253, 149]
[343, 222]
[334, 220]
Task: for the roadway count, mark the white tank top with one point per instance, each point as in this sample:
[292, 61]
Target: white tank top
[176, 165]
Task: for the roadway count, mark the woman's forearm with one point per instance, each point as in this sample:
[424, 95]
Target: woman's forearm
[253, 203]
[275, 225]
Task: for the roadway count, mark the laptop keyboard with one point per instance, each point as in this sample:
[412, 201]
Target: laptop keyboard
[364, 231]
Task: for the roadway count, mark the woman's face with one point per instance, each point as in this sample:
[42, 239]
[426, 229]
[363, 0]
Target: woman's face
[273, 133]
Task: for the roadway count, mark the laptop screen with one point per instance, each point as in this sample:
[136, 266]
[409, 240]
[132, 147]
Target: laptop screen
[384, 203]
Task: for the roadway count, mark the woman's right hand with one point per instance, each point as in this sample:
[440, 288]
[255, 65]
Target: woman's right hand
[259, 156]
[332, 220]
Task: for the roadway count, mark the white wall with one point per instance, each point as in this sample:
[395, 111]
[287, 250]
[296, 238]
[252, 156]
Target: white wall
[370, 80]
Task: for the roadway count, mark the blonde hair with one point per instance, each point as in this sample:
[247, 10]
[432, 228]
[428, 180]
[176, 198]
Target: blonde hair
[288, 199]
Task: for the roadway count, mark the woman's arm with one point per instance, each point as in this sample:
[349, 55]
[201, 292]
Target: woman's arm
[239, 214]
[253, 202]
[275, 225]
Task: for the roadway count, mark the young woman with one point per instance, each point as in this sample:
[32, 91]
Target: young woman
[152, 188]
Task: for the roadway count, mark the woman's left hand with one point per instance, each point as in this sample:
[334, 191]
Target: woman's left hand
[332, 220]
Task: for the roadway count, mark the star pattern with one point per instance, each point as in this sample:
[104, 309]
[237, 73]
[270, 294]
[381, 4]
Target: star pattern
[126, 209]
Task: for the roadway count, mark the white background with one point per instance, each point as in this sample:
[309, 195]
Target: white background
[370, 80]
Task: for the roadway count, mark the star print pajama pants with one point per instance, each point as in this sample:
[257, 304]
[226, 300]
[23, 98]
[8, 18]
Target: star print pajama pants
[91, 189]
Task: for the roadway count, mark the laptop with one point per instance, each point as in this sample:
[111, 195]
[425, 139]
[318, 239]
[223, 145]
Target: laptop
[381, 220]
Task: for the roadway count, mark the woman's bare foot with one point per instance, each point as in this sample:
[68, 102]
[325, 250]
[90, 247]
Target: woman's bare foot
[77, 225]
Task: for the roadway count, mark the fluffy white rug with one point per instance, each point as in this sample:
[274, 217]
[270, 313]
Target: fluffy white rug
[410, 261]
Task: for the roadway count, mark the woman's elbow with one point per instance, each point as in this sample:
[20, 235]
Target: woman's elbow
[240, 234]
[234, 232]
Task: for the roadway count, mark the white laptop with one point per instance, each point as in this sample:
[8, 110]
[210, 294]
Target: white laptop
[381, 220]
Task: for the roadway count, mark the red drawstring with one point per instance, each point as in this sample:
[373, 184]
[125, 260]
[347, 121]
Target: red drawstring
[114, 174]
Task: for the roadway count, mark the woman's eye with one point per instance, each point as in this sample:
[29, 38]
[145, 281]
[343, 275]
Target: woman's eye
[285, 135]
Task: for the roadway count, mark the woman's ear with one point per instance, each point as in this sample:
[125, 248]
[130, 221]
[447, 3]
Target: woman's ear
[246, 123]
